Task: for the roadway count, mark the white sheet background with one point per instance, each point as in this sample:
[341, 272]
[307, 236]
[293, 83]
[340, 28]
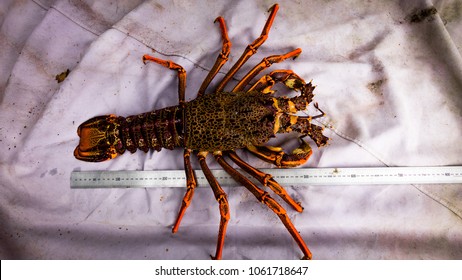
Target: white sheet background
[392, 90]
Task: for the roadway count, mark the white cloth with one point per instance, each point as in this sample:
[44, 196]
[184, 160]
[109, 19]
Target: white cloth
[388, 76]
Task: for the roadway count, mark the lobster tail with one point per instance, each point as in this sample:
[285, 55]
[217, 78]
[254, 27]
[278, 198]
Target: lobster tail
[105, 137]
[100, 139]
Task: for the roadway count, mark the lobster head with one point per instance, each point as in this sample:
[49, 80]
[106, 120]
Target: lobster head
[99, 139]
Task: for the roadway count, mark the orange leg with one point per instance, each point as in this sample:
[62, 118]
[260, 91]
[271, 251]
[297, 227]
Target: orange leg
[265, 63]
[191, 184]
[220, 196]
[250, 50]
[288, 77]
[172, 65]
[278, 157]
[221, 59]
[266, 199]
[190, 177]
[266, 180]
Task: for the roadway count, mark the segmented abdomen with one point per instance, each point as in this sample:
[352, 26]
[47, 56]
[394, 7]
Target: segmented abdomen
[153, 130]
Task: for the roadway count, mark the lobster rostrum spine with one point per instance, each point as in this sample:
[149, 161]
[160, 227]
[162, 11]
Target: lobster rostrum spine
[219, 123]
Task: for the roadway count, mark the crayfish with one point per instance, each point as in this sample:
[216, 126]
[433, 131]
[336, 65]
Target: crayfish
[219, 123]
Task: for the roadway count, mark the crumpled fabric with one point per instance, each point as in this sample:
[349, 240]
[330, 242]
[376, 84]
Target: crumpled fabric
[388, 76]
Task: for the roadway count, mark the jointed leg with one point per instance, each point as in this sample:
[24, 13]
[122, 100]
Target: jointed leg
[220, 196]
[191, 184]
[190, 177]
[250, 50]
[266, 180]
[288, 77]
[172, 65]
[265, 63]
[288, 123]
[278, 157]
[266, 199]
[221, 59]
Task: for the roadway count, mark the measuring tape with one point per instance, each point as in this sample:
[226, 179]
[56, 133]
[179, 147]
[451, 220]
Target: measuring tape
[288, 177]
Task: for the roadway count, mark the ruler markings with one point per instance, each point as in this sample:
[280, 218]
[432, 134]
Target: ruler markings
[297, 176]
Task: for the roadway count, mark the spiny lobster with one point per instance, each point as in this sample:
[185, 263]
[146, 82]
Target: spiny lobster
[219, 123]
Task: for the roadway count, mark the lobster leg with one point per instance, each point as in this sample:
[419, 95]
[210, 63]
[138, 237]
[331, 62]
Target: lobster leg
[221, 59]
[173, 66]
[266, 199]
[191, 183]
[250, 50]
[265, 63]
[288, 77]
[266, 180]
[220, 196]
[278, 157]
